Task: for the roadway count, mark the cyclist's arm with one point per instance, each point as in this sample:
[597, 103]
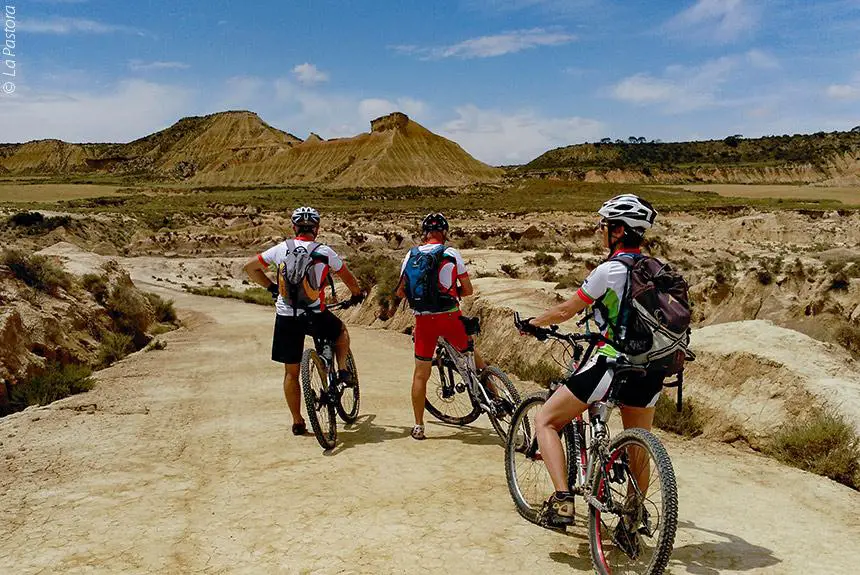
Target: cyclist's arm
[465, 286]
[400, 292]
[257, 272]
[561, 312]
[346, 276]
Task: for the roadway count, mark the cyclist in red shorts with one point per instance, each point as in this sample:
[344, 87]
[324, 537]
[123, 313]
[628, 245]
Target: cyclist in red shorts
[433, 278]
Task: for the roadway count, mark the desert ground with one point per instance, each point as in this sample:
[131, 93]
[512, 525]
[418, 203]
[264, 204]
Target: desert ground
[181, 461]
[849, 195]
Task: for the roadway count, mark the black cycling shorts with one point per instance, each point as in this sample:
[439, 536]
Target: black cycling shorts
[288, 342]
[592, 382]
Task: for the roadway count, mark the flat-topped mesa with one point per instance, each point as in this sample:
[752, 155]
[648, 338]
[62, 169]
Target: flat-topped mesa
[393, 121]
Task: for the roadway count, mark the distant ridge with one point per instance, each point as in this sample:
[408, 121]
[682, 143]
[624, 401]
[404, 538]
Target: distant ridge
[238, 148]
[822, 158]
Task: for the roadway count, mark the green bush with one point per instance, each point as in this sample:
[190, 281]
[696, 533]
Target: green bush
[848, 336]
[114, 347]
[825, 443]
[724, 271]
[97, 285]
[687, 422]
[55, 382]
[163, 309]
[39, 272]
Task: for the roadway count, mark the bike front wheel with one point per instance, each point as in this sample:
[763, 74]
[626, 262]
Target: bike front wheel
[318, 400]
[635, 530]
[448, 398]
[529, 482]
[347, 406]
[505, 398]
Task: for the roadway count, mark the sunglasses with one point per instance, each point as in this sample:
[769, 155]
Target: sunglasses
[602, 225]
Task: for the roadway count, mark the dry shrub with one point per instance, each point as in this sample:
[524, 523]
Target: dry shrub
[163, 309]
[97, 285]
[542, 259]
[255, 295]
[131, 312]
[510, 270]
[376, 270]
[687, 422]
[114, 347]
[39, 272]
[824, 443]
[55, 382]
[848, 336]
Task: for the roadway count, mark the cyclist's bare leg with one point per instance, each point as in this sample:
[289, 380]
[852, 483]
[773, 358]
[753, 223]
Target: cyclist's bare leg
[419, 388]
[341, 348]
[640, 463]
[480, 364]
[558, 411]
[292, 393]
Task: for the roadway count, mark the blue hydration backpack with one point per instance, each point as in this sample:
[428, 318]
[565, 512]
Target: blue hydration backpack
[422, 281]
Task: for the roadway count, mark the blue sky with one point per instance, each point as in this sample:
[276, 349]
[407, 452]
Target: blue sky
[506, 79]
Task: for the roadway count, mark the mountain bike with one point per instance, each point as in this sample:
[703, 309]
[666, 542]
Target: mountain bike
[631, 522]
[458, 395]
[324, 394]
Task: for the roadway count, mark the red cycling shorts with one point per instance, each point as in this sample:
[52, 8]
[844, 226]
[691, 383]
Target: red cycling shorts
[429, 328]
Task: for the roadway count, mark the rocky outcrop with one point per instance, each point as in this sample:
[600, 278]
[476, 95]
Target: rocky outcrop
[393, 121]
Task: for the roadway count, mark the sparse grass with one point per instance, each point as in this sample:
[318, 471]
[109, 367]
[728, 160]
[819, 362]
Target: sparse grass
[724, 271]
[156, 345]
[569, 280]
[255, 295]
[687, 422]
[97, 285]
[825, 444]
[163, 309]
[55, 382]
[114, 347]
[37, 271]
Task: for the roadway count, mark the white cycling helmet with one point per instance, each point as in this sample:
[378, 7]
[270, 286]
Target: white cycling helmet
[630, 209]
[305, 215]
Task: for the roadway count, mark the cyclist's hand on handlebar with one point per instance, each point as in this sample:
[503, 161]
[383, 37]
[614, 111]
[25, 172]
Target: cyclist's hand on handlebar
[527, 327]
[357, 298]
[273, 289]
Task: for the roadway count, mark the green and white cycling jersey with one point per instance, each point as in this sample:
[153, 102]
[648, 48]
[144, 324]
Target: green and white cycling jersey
[606, 283]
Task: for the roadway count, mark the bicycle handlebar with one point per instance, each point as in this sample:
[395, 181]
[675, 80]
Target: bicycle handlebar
[553, 332]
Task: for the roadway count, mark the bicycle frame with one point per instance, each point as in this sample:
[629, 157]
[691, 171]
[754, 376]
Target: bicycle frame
[464, 363]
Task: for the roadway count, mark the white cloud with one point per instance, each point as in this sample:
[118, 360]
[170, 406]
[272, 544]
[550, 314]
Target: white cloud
[715, 20]
[491, 46]
[63, 26]
[131, 109]
[308, 74]
[844, 91]
[141, 66]
[685, 88]
[498, 137]
[372, 108]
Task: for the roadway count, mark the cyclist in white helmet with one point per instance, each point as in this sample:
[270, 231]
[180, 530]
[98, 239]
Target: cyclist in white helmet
[623, 222]
[303, 314]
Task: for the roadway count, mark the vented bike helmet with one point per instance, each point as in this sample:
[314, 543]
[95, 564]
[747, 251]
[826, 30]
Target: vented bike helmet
[434, 222]
[305, 216]
[636, 213]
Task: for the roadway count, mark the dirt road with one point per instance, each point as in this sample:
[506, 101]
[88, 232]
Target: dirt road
[181, 461]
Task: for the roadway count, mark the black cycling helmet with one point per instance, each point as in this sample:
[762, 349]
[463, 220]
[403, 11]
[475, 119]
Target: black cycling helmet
[434, 222]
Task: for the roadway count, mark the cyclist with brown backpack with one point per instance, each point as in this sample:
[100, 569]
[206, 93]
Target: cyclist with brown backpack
[303, 266]
[641, 308]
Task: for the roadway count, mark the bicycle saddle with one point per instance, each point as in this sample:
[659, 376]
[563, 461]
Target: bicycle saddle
[472, 325]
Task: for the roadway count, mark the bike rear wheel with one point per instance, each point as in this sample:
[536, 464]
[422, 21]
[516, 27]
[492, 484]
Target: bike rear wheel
[507, 398]
[318, 400]
[347, 406]
[448, 398]
[528, 480]
[636, 532]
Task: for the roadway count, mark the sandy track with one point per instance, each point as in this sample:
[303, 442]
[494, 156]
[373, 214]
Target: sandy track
[181, 461]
